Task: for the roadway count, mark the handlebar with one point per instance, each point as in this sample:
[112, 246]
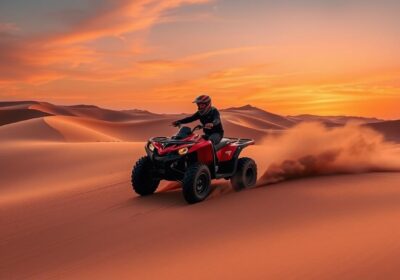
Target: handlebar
[197, 127]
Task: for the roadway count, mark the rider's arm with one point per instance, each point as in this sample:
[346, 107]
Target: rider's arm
[192, 118]
[216, 118]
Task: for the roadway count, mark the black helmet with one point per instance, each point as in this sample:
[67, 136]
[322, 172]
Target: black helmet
[203, 104]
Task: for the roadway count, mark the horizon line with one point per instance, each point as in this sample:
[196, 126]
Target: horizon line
[188, 113]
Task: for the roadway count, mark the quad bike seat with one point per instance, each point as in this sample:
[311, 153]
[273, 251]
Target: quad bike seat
[222, 143]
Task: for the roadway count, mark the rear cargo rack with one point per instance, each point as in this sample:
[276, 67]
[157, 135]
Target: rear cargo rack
[169, 141]
[240, 141]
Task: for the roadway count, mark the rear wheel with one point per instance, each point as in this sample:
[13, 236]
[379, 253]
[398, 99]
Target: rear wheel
[196, 183]
[246, 174]
[142, 178]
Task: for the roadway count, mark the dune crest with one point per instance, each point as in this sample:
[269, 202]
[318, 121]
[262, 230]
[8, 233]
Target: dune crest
[30, 130]
[73, 131]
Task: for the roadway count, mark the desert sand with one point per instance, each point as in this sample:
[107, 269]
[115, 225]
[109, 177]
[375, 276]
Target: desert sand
[326, 206]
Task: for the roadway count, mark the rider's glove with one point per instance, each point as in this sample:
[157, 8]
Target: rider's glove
[176, 123]
[209, 125]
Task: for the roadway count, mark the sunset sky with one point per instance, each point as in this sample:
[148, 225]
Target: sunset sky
[321, 57]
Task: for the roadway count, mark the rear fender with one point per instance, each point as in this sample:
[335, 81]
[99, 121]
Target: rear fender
[233, 157]
[226, 153]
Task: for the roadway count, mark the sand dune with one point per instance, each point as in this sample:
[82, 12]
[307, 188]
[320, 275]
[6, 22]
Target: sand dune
[29, 130]
[98, 124]
[35, 170]
[250, 121]
[73, 215]
[85, 111]
[16, 104]
[67, 209]
[239, 129]
[333, 120]
[273, 119]
[139, 130]
[52, 109]
[13, 115]
[390, 129]
[73, 131]
[54, 128]
[18, 109]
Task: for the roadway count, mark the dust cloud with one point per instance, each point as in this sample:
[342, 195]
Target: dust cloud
[311, 149]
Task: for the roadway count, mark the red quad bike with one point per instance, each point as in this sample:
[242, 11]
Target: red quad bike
[191, 159]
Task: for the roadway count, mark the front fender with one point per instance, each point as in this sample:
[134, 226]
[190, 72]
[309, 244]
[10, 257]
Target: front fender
[205, 153]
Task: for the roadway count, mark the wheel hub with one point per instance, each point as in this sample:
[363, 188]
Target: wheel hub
[249, 175]
[201, 184]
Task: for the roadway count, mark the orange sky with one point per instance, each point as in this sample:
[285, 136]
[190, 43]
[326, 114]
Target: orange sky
[292, 57]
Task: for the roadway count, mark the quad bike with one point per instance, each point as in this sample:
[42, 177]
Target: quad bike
[193, 161]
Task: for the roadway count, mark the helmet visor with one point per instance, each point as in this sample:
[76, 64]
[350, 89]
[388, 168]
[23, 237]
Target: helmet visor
[202, 106]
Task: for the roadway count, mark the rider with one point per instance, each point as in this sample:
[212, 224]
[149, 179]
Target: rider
[209, 118]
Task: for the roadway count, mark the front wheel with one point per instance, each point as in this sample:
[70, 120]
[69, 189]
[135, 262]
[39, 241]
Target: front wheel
[142, 179]
[246, 174]
[196, 183]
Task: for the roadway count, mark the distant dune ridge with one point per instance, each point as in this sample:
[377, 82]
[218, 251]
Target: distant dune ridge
[88, 123]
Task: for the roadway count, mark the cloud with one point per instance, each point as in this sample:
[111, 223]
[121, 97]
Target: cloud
[290, 92]
[221, 52]
[291, 67]
[125, 16]
[33, 61]
[71, 54]
[8, 27]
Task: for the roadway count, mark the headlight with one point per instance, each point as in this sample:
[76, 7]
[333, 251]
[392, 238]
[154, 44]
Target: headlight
[151, 147]
[183, 151]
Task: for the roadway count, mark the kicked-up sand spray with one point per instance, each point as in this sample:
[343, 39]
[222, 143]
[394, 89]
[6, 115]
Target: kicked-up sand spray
[311, 149]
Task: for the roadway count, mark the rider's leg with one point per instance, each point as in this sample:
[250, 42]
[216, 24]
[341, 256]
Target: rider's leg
[215, 138]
